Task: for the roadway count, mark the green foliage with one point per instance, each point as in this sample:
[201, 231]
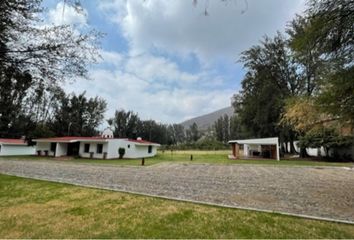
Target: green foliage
[326, 138]
[121, 152]
[222, 128]
[271, 77]
[192, 134]
[337, 96]
[127, 124]
[78, 115]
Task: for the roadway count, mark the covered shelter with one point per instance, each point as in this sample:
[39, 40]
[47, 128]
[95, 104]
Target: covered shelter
[255, 148]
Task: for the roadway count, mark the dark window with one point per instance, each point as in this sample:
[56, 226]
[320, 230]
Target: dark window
[99, 148]
[150, 149]
[53, 147]
[128, 145]
[87, 147]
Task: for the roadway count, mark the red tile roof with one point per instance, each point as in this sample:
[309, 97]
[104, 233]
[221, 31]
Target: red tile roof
[69, 138]
[141, 141]
[72, 138]
[13, 141]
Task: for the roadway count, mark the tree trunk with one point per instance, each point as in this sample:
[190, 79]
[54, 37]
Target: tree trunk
[303, 153]
[292, 147]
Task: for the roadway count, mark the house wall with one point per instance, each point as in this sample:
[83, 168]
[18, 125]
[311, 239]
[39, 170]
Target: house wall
[114, 145]
[61, 149]
[141, 151]
[93, 148]
[111, 147]
[44, 146]
[11, 150]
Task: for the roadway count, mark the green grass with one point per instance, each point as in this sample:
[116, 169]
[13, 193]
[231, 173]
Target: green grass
[40, 209]
[199, 157]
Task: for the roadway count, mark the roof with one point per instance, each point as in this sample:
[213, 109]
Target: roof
[10, 141]
[71, 139]
[264, 141]
[143, 142]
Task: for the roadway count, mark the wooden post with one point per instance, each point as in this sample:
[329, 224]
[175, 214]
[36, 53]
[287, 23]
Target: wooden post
[191, 157]
[142, 161]
[237, 149]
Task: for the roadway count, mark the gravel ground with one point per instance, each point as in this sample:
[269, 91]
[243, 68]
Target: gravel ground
[326, 192]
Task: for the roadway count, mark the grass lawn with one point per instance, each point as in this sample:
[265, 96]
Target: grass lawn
[40, 209]
[211, 157]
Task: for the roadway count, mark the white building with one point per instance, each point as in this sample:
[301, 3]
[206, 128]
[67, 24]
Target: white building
[13, 147]
[256, 148]
[103, 147]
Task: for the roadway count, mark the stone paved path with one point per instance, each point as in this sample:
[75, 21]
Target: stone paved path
[315, 191]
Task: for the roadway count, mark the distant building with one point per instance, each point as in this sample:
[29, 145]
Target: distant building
[101, 147]
[12, 147]
[255, 148]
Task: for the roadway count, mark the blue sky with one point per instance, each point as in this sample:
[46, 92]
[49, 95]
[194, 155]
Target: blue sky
[165, 59]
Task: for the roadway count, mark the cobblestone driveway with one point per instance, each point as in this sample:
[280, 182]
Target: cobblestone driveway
[315, 191]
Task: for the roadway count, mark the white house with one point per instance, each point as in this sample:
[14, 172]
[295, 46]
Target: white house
[256, 148]
[11, 147]
[102, 147]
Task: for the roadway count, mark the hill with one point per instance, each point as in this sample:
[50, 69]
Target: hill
[209, 119]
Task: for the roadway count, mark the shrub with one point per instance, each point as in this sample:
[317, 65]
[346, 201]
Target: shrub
[121, 152]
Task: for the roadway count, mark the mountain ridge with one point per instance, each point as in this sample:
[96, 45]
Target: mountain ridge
[207, 120]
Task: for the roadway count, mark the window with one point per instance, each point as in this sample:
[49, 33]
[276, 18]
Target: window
[99, 148]
[128, 145]
[53, 146]
[86, 148]
[150, 149]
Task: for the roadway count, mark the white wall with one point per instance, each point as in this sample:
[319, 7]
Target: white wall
[132, 150]
[93, 148]
[44, 146]
[11, 150]
[141, 151]
[61, 149]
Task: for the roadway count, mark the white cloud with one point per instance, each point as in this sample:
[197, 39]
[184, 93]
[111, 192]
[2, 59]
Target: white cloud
[132, 87]
[154, 68]
[177, 27]
[67, 14]
[154, 85]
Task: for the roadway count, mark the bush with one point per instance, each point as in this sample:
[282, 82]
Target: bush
[121, 152]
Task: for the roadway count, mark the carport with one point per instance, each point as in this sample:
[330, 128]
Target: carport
[255, 148]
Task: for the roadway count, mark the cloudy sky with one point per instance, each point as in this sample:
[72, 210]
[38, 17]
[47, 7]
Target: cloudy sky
[165, 59]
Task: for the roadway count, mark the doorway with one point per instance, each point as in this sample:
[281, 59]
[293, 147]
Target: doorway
[73, 149]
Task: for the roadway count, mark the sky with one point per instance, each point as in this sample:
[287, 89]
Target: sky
[166, 59]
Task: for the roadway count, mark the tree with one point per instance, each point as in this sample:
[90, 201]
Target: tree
[125, 124]
[326, 32]
[33, 59]
[52, 53]
[193, 133]
[218, 127]
[271, 77]
[78, 115]
[327, 138]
